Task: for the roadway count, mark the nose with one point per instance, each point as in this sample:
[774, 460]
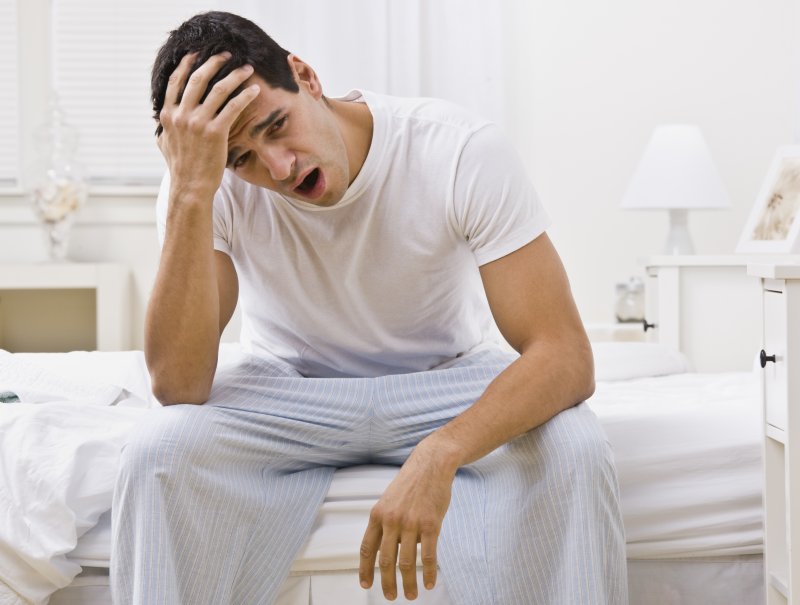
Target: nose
[278, 160]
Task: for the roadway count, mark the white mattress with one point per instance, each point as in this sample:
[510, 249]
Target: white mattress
[688, 457]
[687, 449]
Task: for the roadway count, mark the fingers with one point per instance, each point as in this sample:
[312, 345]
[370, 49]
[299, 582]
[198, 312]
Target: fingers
[369, 550]
[223, 89]
[387, 562]
[194, 86]
[202, 117]
[407, 563]
[236, 105]
[381, 540]
[198, 82]
[428, 551]
[177, 80]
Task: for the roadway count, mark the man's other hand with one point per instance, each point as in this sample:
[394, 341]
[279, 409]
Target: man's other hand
[410, 512]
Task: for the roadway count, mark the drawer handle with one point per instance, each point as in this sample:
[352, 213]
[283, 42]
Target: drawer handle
[647, 326]
[765, 358]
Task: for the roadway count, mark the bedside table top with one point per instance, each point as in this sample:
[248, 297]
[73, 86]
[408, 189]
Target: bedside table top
[774, 270]
[58, 275]
[718, 260]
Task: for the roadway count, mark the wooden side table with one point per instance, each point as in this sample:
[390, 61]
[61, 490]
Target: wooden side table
[706, 307]
[21, 283]
[780, 360]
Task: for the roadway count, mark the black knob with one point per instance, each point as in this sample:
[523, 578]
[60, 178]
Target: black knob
[646, 325]
[765, 358]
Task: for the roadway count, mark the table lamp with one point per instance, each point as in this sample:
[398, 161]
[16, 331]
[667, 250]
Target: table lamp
[676, 173]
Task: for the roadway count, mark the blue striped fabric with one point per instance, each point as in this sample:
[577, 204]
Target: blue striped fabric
[214, 501]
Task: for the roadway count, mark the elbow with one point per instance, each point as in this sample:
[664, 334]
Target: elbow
[589, 388]
[586, 380]
[580, 372]
[172, 390]
[174, 395]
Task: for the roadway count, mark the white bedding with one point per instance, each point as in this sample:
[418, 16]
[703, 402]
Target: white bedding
[687, 450]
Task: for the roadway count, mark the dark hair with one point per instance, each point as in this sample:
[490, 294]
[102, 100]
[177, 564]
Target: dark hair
[214, 32]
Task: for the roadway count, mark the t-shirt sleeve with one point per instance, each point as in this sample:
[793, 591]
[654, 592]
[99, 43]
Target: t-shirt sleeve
[495, 207]
[221, 217]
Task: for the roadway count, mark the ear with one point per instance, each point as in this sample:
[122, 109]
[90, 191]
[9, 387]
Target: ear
[305, 76]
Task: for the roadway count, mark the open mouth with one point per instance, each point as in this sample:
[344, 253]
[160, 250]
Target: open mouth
[309, 183]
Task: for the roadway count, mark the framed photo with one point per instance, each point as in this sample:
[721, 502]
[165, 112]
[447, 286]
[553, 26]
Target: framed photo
[774, 222]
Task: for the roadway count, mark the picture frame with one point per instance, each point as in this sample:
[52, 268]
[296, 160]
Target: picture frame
[773, 226]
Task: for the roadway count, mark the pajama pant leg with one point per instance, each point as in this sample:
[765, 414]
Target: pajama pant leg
[214, 501]
[537, 521]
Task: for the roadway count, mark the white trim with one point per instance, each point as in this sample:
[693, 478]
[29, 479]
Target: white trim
[96, 191]
[129, 210]
[147, 191]
[714, 260]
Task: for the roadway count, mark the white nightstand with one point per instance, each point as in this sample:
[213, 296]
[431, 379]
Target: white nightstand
[780, 358]
[604, 332]
[61, 306]
[706, 307]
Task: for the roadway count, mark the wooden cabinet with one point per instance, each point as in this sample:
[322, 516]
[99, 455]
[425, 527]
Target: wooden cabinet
[780, 361]
[706, 307]
[64, 306]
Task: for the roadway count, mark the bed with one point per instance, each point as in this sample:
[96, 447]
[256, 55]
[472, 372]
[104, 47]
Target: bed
[687, 448]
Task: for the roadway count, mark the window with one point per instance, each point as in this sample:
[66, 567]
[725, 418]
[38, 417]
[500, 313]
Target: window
[97, 56]
[103, 51]
[9, 132]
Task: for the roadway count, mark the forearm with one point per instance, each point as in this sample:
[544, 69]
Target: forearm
[548, 378]
[182, 323]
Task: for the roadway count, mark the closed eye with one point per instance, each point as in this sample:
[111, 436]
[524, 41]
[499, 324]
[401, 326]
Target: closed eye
[241, 160]
[277, 125]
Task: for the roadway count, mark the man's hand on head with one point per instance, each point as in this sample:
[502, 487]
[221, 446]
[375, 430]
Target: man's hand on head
[410, 512]
[194, 139]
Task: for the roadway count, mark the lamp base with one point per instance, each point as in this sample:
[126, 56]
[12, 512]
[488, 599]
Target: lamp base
[678, 240]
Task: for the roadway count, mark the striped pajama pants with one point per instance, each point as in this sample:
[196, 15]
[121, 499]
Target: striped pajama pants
[214, 501]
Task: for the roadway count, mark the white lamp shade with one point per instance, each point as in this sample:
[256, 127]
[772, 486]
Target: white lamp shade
[676, 171]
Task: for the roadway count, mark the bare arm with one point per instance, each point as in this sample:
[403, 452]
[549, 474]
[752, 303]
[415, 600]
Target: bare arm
[531, 301]
[533, 306]
[196, 288]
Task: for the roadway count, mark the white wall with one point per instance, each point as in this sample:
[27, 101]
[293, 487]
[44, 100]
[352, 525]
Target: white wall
[588, 81]
[586, 84]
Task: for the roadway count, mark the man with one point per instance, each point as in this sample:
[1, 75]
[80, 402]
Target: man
[362, 237]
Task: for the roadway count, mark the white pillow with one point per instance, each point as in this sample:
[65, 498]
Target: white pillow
[627, 360]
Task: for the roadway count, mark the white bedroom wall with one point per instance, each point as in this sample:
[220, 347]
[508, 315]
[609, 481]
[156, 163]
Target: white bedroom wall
[585, 85]
[588, 81]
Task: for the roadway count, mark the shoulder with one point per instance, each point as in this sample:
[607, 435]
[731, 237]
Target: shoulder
[426, 111]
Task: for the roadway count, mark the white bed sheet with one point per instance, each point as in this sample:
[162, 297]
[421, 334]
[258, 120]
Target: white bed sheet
[688, 453]
[687, 450]
[688, 456]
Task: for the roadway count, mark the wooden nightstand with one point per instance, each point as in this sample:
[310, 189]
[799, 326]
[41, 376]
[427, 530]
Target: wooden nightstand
[64, 306]
[780, 360]
[605, 332]
[706, 307]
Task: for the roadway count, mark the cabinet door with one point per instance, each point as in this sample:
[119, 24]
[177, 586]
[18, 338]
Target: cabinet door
[651, 305]
[775, 344]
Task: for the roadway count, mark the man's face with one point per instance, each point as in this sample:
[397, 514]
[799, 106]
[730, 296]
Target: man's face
[290, 143]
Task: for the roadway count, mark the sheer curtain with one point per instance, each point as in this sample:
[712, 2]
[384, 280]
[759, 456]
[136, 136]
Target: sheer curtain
[103, 51]
[451, 49]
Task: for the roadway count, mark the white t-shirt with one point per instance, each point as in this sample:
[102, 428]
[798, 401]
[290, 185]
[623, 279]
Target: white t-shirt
[386, 281]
